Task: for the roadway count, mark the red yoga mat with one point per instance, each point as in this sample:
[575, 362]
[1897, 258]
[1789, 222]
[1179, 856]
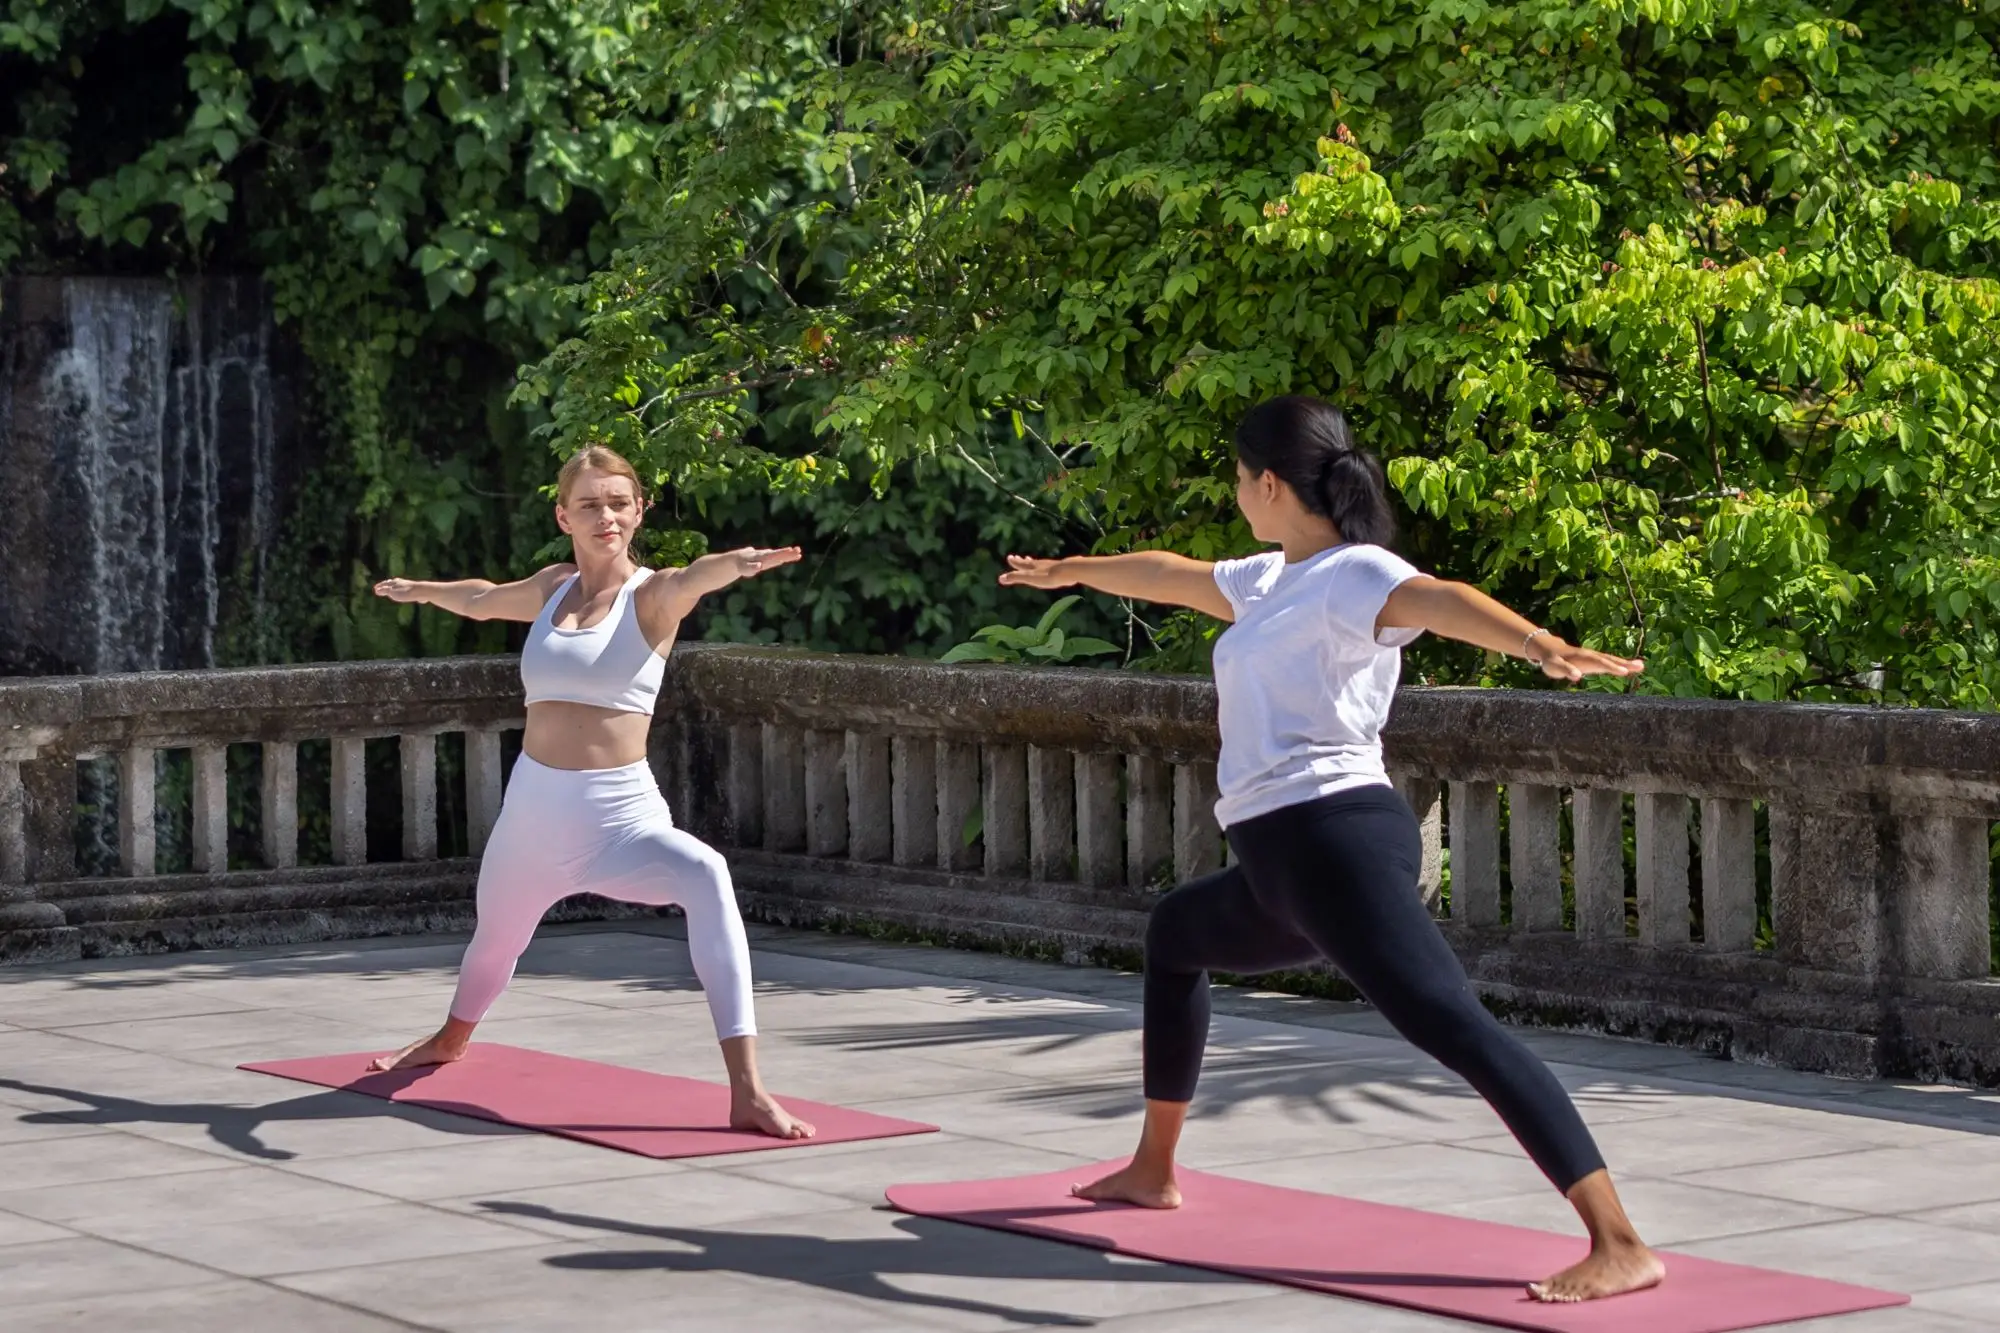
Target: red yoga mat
[1396, 1256]
[654, 1115]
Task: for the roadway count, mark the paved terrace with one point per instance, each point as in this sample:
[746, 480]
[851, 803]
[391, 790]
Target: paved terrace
[144, 1182]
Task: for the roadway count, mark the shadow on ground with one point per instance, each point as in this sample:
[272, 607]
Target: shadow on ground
[235, 1126]
[862, 1267]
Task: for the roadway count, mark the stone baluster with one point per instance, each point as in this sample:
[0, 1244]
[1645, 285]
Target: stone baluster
[826, 793]
[957, 802]
[1826, 899]
[1728, 875]
[746, 785]
[1660, 833]
[138, 831]
[418, 754]
[278, 799]
[1197, 838]
[211, 808]
[784, 790]
[1149, 820]
[22, 819]
[913, 761]
[1100, 820]
[1599, 867]
[350, 800]
[49, 784]
[1534, 855]
[1005, 810]
[13, 824]
[1940, 886]
[668, 759]
[484, 788]
[871, 813]
[1051, 814]
[1420, 793]
[1475, 853]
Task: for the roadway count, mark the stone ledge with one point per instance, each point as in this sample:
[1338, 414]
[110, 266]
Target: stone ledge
[165, 709]
[1942, 762]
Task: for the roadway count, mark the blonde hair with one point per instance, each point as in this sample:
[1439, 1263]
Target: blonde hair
[596, 458]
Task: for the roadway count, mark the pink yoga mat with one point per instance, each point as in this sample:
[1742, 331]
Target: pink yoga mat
[654, 1115]
[1397, 1256]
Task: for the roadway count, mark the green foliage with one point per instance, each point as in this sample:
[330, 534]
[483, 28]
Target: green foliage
[1044, 641]
[912, 569]
[416, 183]
[1675, 319]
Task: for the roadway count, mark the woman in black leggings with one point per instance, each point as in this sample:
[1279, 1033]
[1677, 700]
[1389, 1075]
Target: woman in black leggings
[1327, 852]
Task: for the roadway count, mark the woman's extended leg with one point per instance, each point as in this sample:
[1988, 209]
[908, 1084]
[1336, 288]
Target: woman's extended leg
[651, 861]
[1212, 922]
[518, 883]
[1344, 870]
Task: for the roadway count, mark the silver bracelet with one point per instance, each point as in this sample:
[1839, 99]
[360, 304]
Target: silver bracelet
[1531, 637]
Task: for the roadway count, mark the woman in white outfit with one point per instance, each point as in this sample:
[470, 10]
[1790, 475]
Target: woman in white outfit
[582, 812]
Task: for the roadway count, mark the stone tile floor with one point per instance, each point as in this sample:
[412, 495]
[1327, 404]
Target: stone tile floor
[146, 1183]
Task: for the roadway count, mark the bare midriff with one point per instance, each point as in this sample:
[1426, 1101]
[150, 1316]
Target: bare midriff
[583, 736]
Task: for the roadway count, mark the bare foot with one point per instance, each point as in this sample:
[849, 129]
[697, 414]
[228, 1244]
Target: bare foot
[1609, 1270]
[763, 1115]
[1144, 1186]
[435, 1049]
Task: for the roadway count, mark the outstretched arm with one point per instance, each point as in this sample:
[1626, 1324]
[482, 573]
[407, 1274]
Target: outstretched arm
[480, 599]
[667, 598]
[1460, 611]
[1144, 576]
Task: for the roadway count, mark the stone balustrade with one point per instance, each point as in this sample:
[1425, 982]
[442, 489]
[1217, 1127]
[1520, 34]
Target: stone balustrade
[48, 726]
[1799, 884]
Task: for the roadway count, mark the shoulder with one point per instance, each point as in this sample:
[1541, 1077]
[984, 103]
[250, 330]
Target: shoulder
[550, 577]
[1248, 576]
[1259, 563]
[1366, 563]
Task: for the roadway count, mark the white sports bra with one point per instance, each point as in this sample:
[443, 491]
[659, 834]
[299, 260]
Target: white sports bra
[610, 665]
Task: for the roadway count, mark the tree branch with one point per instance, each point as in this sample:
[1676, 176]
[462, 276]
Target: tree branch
[718, 391]
[1631, 590]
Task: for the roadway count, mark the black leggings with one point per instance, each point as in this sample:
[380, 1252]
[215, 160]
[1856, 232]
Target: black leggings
[1336, 879]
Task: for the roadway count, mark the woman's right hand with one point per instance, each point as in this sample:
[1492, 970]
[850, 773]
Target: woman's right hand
[1027, 571]
[400, 590]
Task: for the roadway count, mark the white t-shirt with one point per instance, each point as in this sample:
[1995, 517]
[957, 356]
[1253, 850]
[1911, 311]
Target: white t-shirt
[1302, 683]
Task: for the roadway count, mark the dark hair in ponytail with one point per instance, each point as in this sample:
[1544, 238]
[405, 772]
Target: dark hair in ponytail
[1309, 445]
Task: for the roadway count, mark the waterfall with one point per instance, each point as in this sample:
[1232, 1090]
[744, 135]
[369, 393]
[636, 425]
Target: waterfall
[140, 463]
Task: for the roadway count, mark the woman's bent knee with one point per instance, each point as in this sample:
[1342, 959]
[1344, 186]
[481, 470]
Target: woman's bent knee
[1173, 936]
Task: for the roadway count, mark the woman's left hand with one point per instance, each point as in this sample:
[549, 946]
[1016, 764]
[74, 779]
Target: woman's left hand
[1565, 661]
[751, 560]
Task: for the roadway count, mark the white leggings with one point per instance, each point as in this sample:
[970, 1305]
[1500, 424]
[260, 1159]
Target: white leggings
[604, 831]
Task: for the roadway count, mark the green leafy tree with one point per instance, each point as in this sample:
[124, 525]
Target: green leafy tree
[1675, 319]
